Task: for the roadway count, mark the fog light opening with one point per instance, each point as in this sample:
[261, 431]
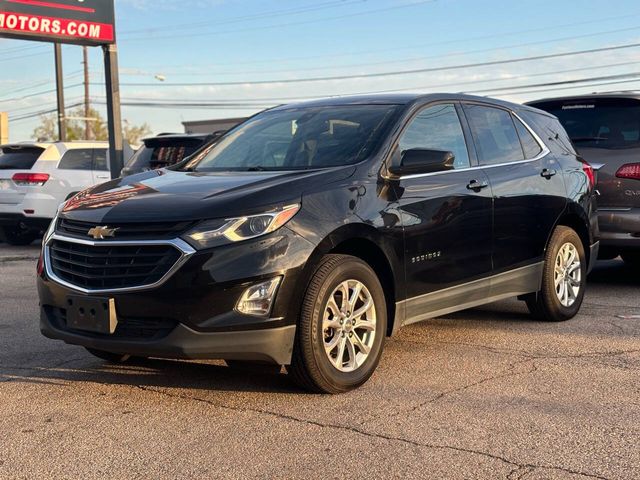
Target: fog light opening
[257, 299]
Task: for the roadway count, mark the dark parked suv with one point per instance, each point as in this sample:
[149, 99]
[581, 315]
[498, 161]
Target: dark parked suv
[605, 129]
[311, 232]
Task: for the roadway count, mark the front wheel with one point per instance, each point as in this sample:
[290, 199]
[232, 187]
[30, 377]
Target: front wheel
[17, 236]
[564, 278]
[342, 327]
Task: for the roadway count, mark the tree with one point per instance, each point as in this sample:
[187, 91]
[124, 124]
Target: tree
[75, 124]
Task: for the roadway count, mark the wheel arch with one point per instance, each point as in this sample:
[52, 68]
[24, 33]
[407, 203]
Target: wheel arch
[577, 222]
[367, 244]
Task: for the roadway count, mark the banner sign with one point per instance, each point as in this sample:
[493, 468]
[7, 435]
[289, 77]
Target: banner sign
[81, 22]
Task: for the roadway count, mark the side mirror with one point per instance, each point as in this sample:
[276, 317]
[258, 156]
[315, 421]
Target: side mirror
[420, 160]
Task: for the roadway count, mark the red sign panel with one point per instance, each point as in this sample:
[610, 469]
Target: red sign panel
[83, 22]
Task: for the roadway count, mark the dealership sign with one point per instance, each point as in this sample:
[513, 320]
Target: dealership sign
[83, 22]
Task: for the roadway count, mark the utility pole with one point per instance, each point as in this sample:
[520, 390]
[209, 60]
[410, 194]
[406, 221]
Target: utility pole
[62, 129]
[88, 134]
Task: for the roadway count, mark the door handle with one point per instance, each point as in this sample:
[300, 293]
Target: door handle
[477, 186]
[548, 173]
[103, 176]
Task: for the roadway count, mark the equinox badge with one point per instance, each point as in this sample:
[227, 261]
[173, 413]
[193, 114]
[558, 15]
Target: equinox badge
[100, 233]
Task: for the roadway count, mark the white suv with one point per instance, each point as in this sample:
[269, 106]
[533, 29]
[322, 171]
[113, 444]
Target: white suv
[37, 177]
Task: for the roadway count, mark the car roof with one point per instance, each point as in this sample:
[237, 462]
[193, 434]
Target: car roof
[632, 94]
[398, 99]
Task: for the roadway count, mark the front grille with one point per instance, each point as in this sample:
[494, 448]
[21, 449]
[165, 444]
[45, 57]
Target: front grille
[105, 267]
[127, 329]
[126, 231]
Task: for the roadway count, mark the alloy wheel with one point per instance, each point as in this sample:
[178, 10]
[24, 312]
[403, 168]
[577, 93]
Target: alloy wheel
[349, 325]
[567, 274]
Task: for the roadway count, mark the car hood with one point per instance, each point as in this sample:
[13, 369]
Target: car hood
[166, 195]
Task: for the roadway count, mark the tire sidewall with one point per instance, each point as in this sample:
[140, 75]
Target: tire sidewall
[559, 238]
[352, 269]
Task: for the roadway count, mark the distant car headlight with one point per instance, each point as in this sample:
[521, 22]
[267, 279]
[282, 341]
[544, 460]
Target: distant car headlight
[212, 233]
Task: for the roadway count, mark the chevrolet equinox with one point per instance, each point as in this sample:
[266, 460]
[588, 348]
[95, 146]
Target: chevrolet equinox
[313, 231]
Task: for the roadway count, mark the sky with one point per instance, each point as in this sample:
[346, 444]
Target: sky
[268, 52]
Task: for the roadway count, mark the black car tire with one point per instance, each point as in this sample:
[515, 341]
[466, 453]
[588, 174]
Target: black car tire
[109, 356]
[311, 367]
[632, 259]
[17, 236]
[545, 304]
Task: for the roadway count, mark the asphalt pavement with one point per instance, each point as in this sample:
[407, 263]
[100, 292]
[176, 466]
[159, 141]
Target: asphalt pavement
[485, 393]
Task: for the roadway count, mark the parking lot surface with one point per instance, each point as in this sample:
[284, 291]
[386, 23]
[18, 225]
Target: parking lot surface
[485, 393]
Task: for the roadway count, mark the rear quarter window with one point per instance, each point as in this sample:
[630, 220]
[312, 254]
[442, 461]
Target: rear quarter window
[19, 158]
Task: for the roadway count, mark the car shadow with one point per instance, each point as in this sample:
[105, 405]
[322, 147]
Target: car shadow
[153, 374]
[614, 272]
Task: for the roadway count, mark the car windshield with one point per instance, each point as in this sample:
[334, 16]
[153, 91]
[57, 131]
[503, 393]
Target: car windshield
[601, 123]
[299, 139]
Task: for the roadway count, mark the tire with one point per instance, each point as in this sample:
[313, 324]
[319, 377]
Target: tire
[546, 304]
[359, 338]
[254, 367]
[17, 236]
[632, 259]
[109, 356]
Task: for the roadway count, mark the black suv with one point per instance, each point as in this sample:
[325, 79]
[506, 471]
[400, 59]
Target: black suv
[312, 231]
[605, 128]
[166, 150]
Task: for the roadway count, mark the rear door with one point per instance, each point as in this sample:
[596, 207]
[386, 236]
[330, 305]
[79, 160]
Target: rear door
[447, 224]
[75, 169]
[100, 166]
[529, 193]
[15, 159]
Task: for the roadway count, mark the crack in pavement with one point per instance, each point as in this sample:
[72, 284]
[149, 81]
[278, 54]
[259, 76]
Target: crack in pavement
[488, 348]
[366, 433]
[18, 258]
[35, 369]
[520, 472]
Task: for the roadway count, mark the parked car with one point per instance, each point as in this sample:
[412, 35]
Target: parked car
[35, 178]
[313, 231]
[166, 150]
[605, 128]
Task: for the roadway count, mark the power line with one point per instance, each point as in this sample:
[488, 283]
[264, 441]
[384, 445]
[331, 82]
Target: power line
[458, 39]
[43, 92]
[257, 16]
[405, 60]
[391, 73]
[283, 25]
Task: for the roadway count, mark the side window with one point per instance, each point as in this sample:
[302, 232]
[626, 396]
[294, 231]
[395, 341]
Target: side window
[437, 128]
[100, 159]
[529, 144]
[80, 159]
[494, 134]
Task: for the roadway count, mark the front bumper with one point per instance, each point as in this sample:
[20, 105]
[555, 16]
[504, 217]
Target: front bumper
[273, 345]
[619, 228]
[192, 314]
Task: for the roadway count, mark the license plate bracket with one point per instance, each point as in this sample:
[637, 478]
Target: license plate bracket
[92, 314]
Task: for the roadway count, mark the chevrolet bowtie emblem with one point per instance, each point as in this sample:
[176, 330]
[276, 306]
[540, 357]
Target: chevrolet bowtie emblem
[100, 233]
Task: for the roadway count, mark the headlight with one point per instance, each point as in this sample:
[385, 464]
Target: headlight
[217, 232]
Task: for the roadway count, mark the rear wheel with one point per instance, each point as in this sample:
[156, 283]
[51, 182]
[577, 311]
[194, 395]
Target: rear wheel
[564, 278]
[632, 258]
[342, 327]
[17, 235]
